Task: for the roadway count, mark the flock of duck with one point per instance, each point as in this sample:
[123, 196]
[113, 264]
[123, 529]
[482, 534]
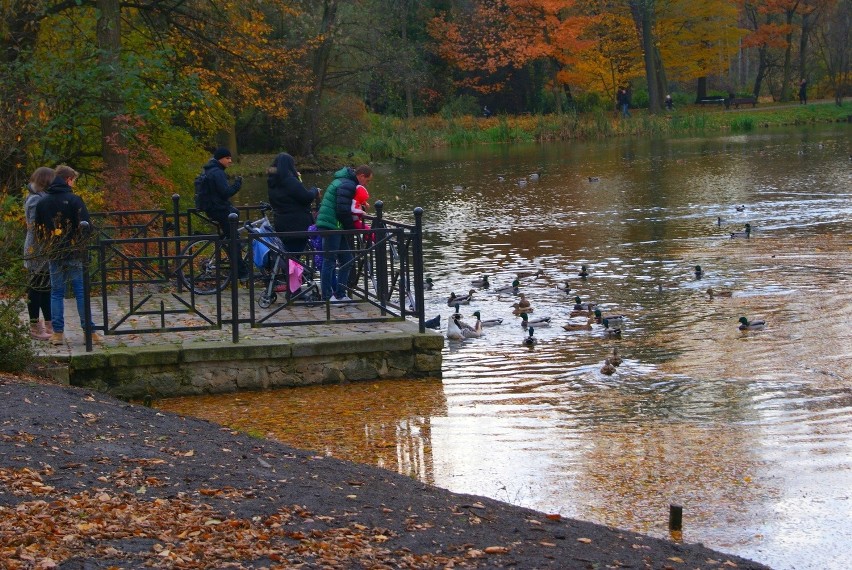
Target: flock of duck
[583, 315]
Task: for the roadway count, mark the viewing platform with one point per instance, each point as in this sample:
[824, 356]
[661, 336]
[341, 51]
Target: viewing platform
[176, 321]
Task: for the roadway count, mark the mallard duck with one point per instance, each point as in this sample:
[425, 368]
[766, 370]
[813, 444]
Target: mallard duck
[537, 321]
[474, 331]
[514, 288]
[612, 333]
[747, 325]
[746, 233]
[584, 272]
[587, 326]
[427, 284]
[580, 306]
[433, 323]
[608, 368]
[460, 299]
[523, 305]
[713, 293]
[566, 287]
[699, 273]
[534, 177]
[481, 282]
[530, 339]
[609, 321]
[614, 322]
[594, 179]
[740, 208]
[530, 274]
[487, 322]
[615, 359]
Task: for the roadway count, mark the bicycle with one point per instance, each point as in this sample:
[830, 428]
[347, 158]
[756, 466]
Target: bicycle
[205, 268]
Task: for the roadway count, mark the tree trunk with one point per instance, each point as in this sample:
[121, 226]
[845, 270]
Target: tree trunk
[321, 57]
[786, 85]
[701, 88]
[762, 68]
[803, 45]
[643, 16]
[114, 145]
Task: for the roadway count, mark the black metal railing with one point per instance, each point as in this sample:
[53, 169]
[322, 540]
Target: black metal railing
[144, 269]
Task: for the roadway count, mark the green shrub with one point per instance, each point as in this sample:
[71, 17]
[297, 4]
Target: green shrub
[16, 348]
[460, 106]
[742, 124]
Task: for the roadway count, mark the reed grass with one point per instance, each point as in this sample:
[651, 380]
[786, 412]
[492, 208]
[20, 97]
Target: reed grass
[394, 137]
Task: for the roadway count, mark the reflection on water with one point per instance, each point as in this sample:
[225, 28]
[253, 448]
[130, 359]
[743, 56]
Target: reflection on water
[750, 432]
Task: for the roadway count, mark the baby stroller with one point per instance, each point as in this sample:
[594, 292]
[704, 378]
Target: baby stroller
[270, 257]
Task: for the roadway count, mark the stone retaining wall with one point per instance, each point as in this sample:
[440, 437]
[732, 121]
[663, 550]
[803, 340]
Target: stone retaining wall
[216, 367]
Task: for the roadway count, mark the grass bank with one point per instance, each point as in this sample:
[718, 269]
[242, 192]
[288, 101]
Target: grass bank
[391, 137]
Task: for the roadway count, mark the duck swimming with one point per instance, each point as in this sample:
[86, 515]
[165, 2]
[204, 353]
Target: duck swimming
[747, 325]
[433, 323]
[514, 288]
[566, 287]
[713, 293]
[584, 272]
[487, 322]
[587, 326]
[454, 331]
[427, 284]
[522, 306]
[530, 340]
[609, 321]
[481, 282]
[608, 368]
[615, 359]
[537, 321]
[746, 233]
[527, 274]
[460, 299]
[699, 273]
[475, 331]
[580, 306]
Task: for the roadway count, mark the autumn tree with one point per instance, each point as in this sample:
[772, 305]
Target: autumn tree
[834, 44]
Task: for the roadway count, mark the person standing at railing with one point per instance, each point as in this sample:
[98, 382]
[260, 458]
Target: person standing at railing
[290, 201]
[38, 286]
[58, 219]
[217, 193]
[335, 213]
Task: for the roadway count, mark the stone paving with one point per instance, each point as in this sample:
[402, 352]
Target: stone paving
[170, 307]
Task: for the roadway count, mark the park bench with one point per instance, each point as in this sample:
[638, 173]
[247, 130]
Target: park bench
[712, 101]
[737, 101]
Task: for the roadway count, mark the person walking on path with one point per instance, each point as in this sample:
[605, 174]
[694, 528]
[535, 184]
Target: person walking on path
[58, 217]
[217, 196]
[38, 285]
[335, 213]
[803, 92]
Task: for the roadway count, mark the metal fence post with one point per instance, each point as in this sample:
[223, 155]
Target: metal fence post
[87, 290]
[418, 268]
[234, 254]
[381, 255]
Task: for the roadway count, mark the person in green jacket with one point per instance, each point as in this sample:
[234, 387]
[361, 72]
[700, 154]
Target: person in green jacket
[335, 213]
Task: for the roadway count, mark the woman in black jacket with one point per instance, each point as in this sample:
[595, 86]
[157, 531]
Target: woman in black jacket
[290, 201]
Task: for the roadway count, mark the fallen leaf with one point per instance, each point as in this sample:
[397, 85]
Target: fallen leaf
[554, 517]
[496, 550]
[676, 559]
[189, 453]
[585, 540]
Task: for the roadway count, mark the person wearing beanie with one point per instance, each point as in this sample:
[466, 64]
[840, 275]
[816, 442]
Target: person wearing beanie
[218, 193]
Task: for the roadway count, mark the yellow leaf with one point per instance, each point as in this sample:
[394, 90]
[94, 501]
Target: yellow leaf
[585, 540]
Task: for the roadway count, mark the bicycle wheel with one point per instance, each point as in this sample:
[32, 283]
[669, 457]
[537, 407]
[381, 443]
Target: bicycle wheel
[204, 268]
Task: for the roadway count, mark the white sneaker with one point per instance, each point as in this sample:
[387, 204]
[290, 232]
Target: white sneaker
[344, 299]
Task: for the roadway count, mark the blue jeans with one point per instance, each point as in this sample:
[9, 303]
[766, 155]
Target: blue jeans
[331, 246]
[60, 273]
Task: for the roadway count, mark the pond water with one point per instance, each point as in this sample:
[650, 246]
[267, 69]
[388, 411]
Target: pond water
[751, 432]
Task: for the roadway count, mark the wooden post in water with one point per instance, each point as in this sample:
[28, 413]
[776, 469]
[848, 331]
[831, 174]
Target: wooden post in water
[675, 517]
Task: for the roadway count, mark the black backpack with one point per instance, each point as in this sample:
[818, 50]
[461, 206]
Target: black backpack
[202, 200]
